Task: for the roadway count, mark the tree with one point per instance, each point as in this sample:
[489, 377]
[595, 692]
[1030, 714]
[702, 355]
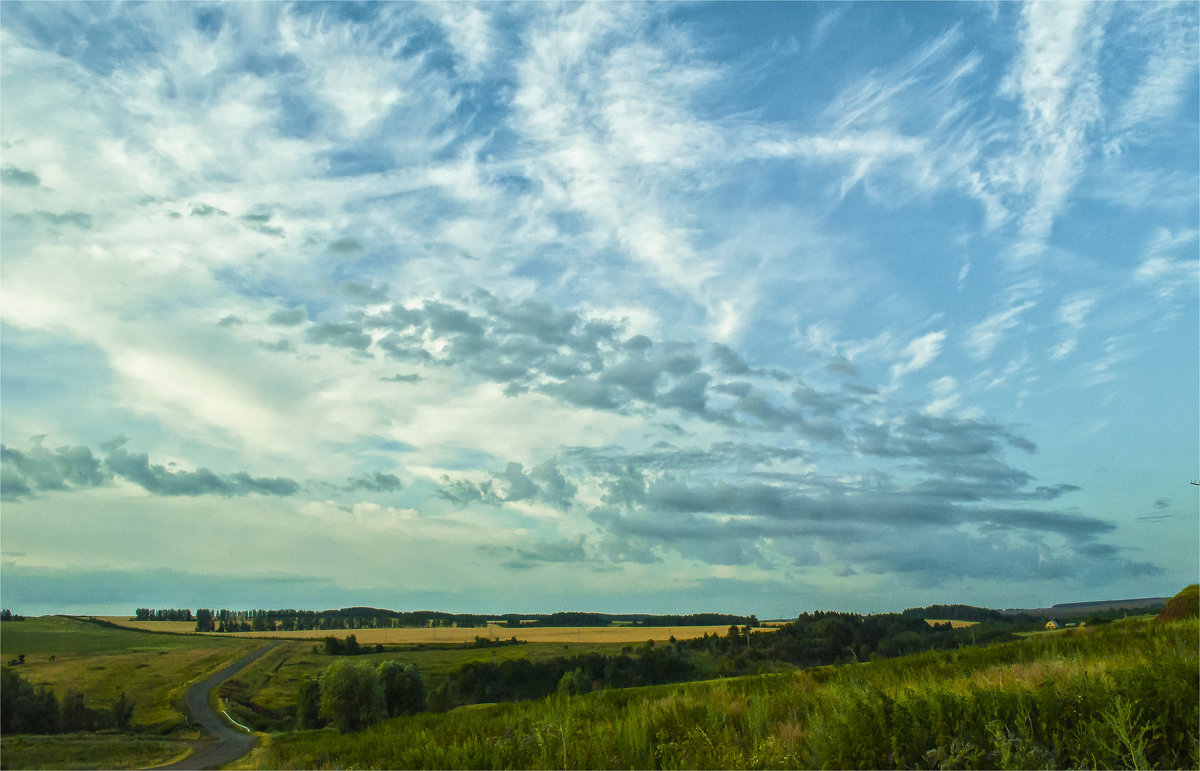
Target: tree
[574, 683]
[122, 712]
[403, 689]
[308, 705]
[73, 715]
[351, 696]
[204, 620]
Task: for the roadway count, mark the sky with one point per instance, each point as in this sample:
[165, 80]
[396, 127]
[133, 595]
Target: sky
[655, 307]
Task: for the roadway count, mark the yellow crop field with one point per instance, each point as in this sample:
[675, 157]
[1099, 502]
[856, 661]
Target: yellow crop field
[533, 634]
[954, 623]
[175, 627]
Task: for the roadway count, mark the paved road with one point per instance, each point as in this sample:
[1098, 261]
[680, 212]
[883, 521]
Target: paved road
[230, 743]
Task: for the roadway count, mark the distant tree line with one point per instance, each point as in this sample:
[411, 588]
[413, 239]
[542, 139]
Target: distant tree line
[968, 613]
[697, 619]
[8, 615]
[555, 619]
[164, 614]
[633, 619]
[826, 637]
[28, 710]
[225, 620]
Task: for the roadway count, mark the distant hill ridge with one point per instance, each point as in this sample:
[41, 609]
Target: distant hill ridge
[1081, 608]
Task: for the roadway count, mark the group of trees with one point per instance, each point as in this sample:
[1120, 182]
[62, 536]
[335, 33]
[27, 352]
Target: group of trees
[28, 710]
[632, 619]
[480, 682]
[8, 615]
[351, 695]
[347, 646]
[826, 637]
[965, 613]
[290, 619]
[225, 620]
[164, 614]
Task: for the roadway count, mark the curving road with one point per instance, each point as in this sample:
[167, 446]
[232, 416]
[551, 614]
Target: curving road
[230, 743]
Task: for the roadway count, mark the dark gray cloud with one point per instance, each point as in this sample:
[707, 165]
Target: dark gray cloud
[532, 346]
[136, 467]
[364, 293]
[1155, 517]
[40, 470]
[410, 377]
[566, 550]
[261, 224]
[376, 482]
[344, 245]
[11, 175]
[290, 317]
[840, 366]
[728, 361]
[43, 470]
[204, 210]
[343, 335]
[919, 435]
[554, 489]
[463, 492]
[743, 504]
[543, 483]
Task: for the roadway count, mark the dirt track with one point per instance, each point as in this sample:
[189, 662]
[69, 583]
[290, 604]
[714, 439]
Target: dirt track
[229, 743]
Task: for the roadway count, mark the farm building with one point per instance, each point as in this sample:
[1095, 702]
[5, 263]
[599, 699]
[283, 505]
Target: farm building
[1052, 624]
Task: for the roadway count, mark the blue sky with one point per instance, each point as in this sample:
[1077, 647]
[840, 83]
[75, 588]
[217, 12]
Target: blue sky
[760, 308]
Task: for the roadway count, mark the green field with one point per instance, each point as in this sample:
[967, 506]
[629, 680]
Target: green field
[152, 670]
[1119, 696]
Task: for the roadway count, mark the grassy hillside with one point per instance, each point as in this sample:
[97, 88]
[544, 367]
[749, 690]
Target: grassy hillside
[89, 751]
[1123, 695]
[1186, 604]
[152, 670]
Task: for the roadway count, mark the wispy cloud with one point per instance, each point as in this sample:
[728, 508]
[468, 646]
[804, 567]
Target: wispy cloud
[609, 295]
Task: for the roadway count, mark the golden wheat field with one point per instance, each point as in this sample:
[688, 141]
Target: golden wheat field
[533, 634]
[954, 623]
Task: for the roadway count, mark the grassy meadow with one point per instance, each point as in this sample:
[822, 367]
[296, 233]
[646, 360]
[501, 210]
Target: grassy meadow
[153, 670]
[1119, 696]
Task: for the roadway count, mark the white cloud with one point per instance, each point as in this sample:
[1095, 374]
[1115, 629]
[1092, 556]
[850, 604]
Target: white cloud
[946, 396]
[1162, 86]
[986, 335]
[920, 352]
[1058, 90]
[1164, 273]
[469, 30]
[1074, 311]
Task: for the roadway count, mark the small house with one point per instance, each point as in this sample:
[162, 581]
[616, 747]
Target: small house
[1052, 624]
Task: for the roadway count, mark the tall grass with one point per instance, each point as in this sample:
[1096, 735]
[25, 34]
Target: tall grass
[1119, 696]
